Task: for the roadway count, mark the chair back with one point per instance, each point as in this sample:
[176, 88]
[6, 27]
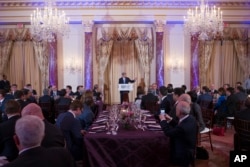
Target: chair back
[207, 115]
[242, 129]
[205, 104]
[152, 106]
[240, 105]
[47, 109]
[60, 109]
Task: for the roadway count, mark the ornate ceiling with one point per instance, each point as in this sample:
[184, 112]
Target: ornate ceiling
[78, 10]
[124, 3]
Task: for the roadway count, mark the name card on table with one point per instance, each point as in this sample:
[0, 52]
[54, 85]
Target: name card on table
[125, 87]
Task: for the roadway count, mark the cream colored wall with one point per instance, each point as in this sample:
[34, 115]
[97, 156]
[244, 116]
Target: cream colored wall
[177, 50]
[71, 48]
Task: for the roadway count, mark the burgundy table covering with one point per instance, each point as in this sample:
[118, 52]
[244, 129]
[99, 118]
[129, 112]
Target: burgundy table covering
[129, 148]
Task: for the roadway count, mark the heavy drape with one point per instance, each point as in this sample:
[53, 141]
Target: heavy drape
[22, 67]
[5, 47]
[225, 60]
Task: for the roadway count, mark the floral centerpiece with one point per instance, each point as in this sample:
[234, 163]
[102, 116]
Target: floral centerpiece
[126, 116]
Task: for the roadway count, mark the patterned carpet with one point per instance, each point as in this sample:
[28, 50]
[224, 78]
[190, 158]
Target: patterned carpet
[219, 157]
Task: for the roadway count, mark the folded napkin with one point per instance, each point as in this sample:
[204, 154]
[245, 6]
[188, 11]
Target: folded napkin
[154, 126]
[101, 120]
[148, 115]
[144, 111]
[98, 127]
[103, 116]
[150, 122]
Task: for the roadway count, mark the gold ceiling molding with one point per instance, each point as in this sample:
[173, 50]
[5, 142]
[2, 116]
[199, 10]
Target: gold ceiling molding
[123, 4]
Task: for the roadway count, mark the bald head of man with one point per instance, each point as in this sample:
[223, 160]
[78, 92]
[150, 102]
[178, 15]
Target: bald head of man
[185, 97]
[33, 109]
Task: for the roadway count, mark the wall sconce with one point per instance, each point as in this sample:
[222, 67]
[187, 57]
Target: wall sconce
[175, 65]
[73, 65]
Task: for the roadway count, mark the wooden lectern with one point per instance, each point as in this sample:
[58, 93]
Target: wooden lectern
[124, 90]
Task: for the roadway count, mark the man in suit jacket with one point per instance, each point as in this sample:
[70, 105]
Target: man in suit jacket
[243, 115]
[4, 83]
[205, 97]
[53, 136]
[71, 128]
[165, 104]
[46, 98]
[29, 134]
[124, 80]
[7, 130]
[3, 100]
[149, 98]
[182, 134]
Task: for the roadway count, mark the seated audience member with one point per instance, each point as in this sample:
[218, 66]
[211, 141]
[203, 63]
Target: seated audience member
[225, 86]
[205, 99]
[4, 83]
[13, 89]
[46, 98]
[212, 90]
[164, 103]
[3, 100]
[184, 87]
[29, 134]
[54, 92]
[19, 97]
[96, 93]
[196, 111]
[243, 115]
[71, 128]
[176, 94]
[79, 91]
[230, 102]
[240, 96]
[53, 136]
[220, 107]
[63, 99]
[149, 98]
[170, 96]
[69, 92]
[155, 89]
[182, 134]
[28, 98]
[87, 116]
[7, 130]
[139, 94]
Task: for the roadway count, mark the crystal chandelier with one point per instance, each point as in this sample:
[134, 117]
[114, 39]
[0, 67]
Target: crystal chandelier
[204, 21]
[45, 24]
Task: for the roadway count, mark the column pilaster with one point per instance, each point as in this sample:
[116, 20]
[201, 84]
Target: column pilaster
[88, 58]
[159, 26]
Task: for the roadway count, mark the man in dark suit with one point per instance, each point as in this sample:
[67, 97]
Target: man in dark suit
[243, 115]
[79, 91]
[176, 94]
[46, 98]
[182, 134]
[71, 128]
[124, 80]
[149, 98]
[3, 100]
[29, 134]
[240, 94]
[205, 98]
[4, 83]
[7, 130]
[53, 136]
[165, 104]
